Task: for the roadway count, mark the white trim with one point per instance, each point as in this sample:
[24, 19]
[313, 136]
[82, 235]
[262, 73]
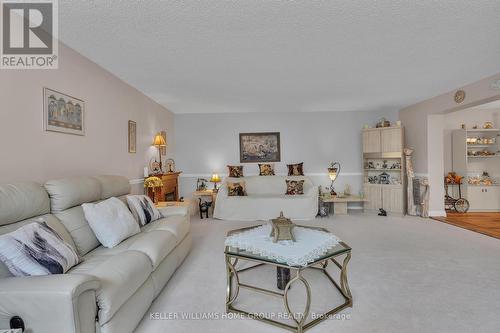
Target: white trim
[433, 213]
[136, 181]
[422, 175]
[319, 174]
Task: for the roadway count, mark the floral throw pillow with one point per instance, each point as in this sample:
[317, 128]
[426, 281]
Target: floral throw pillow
[236, 189]
[235, 171]
[296, 169]
[294, 187]
[266, 169]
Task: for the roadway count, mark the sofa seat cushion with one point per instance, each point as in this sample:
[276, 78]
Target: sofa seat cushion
[120, 276]
[178, 225]
[155, 245]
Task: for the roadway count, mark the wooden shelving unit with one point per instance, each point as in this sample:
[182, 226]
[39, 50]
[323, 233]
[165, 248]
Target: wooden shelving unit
[379, 145]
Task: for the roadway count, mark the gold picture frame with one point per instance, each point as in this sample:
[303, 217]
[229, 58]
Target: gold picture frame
[132, 137]
[163, 149]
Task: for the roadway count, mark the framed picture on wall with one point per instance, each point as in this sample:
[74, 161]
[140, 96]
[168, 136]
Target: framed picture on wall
[163, 149]
[260, 147]
[63, 113]
[132, 137]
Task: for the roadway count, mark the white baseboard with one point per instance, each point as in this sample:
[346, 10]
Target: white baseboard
[437, 213]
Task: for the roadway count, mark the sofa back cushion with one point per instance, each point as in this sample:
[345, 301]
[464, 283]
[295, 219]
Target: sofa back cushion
[22, 200]
[70, 192]
[66, 197]
[22, 203]
[269, 185]
[113, 186]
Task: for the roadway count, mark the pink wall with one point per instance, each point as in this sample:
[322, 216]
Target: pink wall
[27, 152]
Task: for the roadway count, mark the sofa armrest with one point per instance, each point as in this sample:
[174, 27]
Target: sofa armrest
[50, 303]
[173, 210]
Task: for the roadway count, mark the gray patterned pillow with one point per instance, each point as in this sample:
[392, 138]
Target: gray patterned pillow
[36, 249]
[143, 209]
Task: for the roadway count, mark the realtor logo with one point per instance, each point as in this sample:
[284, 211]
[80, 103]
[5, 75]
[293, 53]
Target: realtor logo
[29, 34]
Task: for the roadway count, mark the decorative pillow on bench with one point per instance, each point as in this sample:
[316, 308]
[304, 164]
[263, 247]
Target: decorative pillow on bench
[266, 169]
[296, 169]
[236, 189]
[143, 209]
[36, 249]
[294, 187]
[235, 171]
[111, 221]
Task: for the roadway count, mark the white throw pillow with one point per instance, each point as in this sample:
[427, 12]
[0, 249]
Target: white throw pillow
[111, 221]
[36, 249]
[143, 209]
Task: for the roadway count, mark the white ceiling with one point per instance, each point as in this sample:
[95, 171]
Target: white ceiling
[264, 56]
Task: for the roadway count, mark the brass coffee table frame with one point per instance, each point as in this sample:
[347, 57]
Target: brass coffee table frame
[321, 264]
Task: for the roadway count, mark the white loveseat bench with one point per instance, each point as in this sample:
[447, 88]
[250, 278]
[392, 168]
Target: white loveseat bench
[112, 288]
[266, 198]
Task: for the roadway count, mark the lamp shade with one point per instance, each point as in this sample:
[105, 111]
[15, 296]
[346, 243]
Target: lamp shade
[159, 140]
[333, 171]
[215, 178]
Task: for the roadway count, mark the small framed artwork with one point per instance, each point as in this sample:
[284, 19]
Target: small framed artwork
[132, 137]
[163, 149]
[63, 113]
[260, 147]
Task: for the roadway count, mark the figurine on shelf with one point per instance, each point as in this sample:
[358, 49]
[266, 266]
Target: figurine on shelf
[488, 125]
[383, 123]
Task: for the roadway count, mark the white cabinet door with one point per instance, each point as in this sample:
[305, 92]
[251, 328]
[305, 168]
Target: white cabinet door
[392, 198]
[483, 198]
[373, 194]
[371, 141]
[391, 140]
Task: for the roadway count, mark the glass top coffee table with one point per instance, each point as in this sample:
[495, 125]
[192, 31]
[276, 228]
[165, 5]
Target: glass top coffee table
[234, 255]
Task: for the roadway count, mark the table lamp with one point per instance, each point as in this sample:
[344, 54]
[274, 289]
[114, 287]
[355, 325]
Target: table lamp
[159, 141]
[333, 172]
[215, 179]
[153, 183]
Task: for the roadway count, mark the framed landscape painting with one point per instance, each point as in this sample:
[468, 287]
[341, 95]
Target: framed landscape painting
[260, 147]
[63, 113]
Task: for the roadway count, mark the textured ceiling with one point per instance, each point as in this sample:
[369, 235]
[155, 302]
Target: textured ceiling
[245, 56]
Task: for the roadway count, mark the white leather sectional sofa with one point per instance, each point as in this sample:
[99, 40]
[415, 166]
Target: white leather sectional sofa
[265, 200]
[111, 289]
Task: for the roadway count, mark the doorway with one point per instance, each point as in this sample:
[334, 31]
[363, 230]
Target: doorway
[471, 150]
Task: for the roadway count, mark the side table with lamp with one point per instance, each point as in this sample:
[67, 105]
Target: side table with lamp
[169, 190]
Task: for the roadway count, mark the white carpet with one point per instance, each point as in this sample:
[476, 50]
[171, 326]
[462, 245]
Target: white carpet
[406, 275]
